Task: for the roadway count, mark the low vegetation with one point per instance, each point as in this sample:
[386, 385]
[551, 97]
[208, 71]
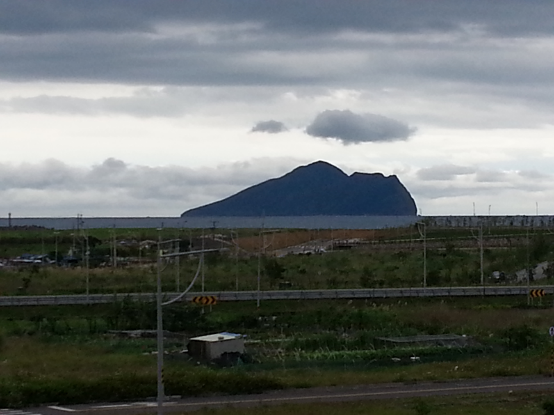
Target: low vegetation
[392, 258]
[70, 354]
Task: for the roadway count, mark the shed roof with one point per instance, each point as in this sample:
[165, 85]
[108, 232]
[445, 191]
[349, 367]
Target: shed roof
[217, 337]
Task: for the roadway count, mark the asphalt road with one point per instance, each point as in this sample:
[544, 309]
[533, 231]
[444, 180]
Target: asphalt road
[309, 395]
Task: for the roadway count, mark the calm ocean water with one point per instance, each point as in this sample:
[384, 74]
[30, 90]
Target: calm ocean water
[227, 222]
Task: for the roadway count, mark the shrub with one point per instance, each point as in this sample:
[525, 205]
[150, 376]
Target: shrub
[422, 407]
[522, 337]
[548, 406]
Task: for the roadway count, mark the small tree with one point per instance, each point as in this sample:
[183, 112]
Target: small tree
[274, 270]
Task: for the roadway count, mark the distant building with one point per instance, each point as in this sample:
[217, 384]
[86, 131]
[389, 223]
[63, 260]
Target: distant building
[30, 259]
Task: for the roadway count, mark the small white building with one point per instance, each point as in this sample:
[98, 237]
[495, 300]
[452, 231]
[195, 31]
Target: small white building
[212, 346]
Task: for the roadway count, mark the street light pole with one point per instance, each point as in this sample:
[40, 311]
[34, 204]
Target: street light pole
[160, 330]
[159, 305]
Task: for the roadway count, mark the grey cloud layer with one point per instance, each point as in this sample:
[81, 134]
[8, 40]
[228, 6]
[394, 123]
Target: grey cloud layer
[350, 128]
[115, 188]
[451, 181]
[144, 103]
[271, 127]
[444, 172]
[148, 181]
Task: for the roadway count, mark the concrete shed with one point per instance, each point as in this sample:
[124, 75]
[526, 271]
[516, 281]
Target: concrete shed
[212, 346]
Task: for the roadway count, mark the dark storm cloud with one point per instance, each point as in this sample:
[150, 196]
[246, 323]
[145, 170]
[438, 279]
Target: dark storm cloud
[271, 127]
[218, 42]
[510, 16]
[351, 128]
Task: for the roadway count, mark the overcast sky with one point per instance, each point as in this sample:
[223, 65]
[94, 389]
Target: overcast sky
[153, 107]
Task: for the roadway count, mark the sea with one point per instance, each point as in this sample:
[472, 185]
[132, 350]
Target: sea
[222, 222]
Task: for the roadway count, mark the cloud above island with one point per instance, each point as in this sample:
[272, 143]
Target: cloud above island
[271, 127]
[351, 128]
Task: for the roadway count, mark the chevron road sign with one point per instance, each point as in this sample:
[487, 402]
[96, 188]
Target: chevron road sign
[537, 293]
[205, 300]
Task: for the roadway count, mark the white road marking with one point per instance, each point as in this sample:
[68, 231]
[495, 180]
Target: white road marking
[121, 405]
[61, 408]
[460, 389]
[358, 395]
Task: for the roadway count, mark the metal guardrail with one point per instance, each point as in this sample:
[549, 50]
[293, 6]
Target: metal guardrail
[43, 300]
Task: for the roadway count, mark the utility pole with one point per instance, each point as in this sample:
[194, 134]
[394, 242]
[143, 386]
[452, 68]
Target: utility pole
[479, 238]
[235, 240]
[423, 235]
[260, 264]
[56, 237]
[114, 257]
[87, 256]
[481, 256]
[203, 248]
[528, 271]
[202, 258]
[178, 265]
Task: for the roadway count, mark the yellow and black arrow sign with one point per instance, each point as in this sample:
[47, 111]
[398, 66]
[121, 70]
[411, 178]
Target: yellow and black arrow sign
[205, 300]
[537, 293]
